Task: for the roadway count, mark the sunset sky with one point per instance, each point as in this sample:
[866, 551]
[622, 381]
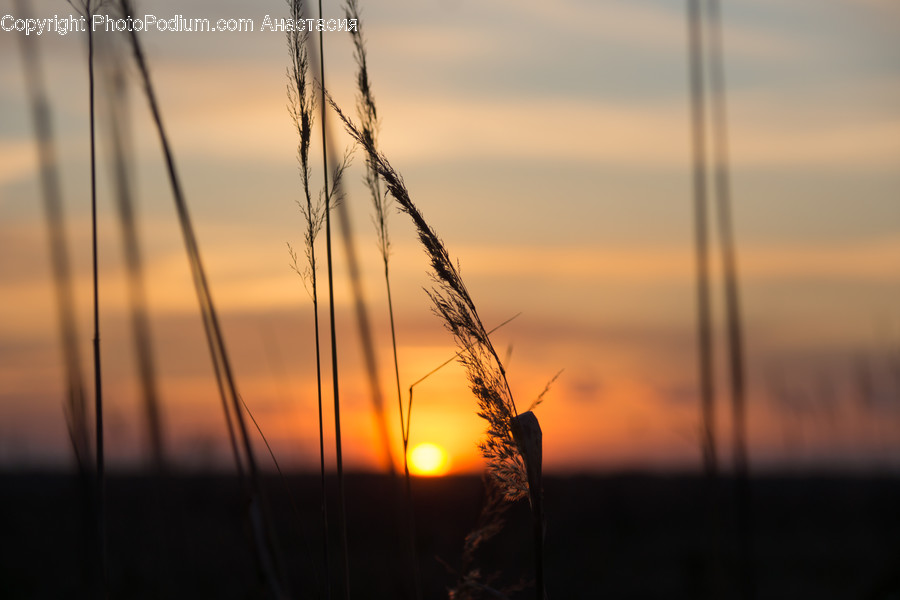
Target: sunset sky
[548, 144]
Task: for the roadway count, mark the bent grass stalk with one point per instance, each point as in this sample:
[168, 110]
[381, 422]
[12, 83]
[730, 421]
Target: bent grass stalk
[512, 446]
[452, 302]
[259, 518]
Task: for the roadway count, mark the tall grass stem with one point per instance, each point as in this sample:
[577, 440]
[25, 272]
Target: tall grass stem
[342, 512]
[732, 302]
[75, 404]
[701, 239]
[259, 518]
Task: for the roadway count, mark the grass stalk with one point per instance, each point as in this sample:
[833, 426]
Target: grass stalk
[380, 200]
[75, 404]
[51, 193]
[87, 8]
[338, 444]
[137, 296]
[511, 457]
[732, 301]
[115, 92]
[704, 317]
[444, 364]
[259, 518]
[368, 117]
[301, 105]
[701, 239]
[365, 332]
[453, 303]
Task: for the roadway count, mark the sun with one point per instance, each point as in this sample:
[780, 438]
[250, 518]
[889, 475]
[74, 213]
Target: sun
[428, 459]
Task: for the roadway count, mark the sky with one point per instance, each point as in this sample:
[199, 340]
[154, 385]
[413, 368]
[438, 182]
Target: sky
[548, 145]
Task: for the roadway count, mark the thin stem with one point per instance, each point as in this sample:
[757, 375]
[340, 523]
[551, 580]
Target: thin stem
[438, 368]
[342, 513]
[98, 380]
[732, 300]
[321, 443]
[51, 193]
[704, 319]
[301, 109]
[263, 532]
[404, 431]
[137, 296]
[365, 330]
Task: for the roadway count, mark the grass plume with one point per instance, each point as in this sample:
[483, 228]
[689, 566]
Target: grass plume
[513, 442]
[453, 303]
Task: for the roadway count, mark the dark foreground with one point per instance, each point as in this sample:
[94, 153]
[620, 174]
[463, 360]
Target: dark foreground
[607, 537]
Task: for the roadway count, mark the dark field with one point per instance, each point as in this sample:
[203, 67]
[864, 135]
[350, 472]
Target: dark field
[607, 537]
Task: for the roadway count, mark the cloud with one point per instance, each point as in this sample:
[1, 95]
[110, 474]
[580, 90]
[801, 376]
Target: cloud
[870, 260]
[769, 127]
[660, 26]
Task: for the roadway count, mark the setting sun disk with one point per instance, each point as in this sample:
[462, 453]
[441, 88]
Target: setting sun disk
[428, 459]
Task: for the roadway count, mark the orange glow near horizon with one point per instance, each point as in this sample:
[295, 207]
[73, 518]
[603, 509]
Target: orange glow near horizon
[429, 460]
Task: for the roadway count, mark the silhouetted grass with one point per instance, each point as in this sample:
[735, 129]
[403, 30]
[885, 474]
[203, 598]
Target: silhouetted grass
[75, 405]
[368, 118]
[342, 503]
[87, 8]
[257, 512]
[301, 104]
[116, 90]
[512, 444]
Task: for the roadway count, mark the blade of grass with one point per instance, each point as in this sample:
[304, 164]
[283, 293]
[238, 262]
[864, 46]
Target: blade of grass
[342, 512]
[701, 239]
[75, 405]
[117, 93]
[86, 8]
[51, 194]
[301, 104]
[369, 123]
[708, 444]
[732, 301]
[263, 531]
